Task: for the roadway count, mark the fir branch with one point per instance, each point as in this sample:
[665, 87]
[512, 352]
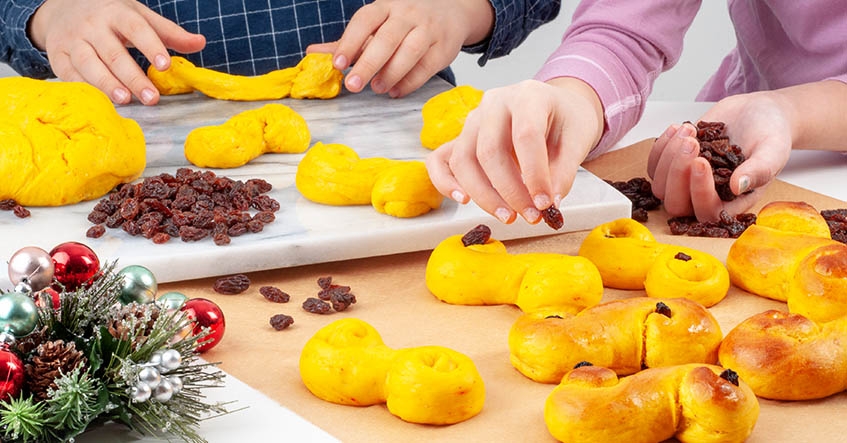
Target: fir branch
[23, 419]
[73, 404]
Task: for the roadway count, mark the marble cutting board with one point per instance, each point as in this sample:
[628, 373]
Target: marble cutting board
[304, 232]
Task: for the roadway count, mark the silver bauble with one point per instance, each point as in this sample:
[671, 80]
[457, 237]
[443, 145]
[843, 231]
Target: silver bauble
[150, 376]
[170, 360]
[176, 383]
[140, 393]
[139, 285]
[164, 391]
[31, 265]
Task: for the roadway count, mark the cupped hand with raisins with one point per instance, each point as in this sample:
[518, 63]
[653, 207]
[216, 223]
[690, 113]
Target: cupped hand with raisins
[757, 123]
[519, 150]
[87, 41]
[397, 45]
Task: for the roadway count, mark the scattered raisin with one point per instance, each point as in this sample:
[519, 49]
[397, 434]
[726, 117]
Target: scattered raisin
[326, 294]
[730, 376]
[662, 308]
[274, 294]
[281, 321]
[8, 204]
[324, 282]
[640, 192]
[316, 306]
[477, 236]
[682, 256]
[95, 231]
[21, 212]
[342, 300]
[231, 285]
[553, 217]
[727, 226]
[837, 221]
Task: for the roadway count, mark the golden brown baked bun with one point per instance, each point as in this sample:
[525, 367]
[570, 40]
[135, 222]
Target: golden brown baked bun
[764, 258]
[687, 273]
[623, 335]
[785, 356]
[694, 403]
[623, 251]
[819, 287]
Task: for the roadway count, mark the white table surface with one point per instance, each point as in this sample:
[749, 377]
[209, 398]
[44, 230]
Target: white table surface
[815, 170]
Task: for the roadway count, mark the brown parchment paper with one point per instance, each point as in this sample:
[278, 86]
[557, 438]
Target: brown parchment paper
[392, 297]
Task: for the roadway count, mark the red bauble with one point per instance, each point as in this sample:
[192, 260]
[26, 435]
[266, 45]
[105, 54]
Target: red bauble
[206, 314]
[11, 374]
[48, 294]
[75, 264]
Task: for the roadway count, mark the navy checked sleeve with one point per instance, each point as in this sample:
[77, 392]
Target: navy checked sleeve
[513, 21]
[15, 47]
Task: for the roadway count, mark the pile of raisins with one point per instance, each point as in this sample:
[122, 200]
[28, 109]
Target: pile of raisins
[337, 297]
[11, 205]
[640, 192]
[727, 226]
[721, 154]
[837, 221]
[190, 205]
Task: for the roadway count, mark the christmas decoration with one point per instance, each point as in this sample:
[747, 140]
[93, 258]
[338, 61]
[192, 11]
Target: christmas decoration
[82, 345]
[209, 322]
[75, 264]
[172, 300]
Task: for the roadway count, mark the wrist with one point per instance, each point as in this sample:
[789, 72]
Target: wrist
[480, 21]
[37, 26]
[580, 90]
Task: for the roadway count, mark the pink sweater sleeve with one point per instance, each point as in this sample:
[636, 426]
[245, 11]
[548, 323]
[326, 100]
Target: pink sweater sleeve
[619, 47]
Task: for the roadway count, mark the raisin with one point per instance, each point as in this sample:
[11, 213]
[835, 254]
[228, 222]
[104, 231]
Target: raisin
[324, 282]
[639, 191]
[316, 306]
[327, 294]
[836, 219]
[342, 300]
[8, 204]
[682, 256]
[722, 155]
[281, 321]
[21, 212]
[477, 236]
[553, 217]
[273, 294]
[582, 363]
[730, 376]
[161, 237]
[231, 285]
[662, 308]
[727, 226]
[95, 231]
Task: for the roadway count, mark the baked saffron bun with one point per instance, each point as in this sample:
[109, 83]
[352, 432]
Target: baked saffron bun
[625, 336]
[688, 273]
[785, 356]
[693, 403]
[623, 251]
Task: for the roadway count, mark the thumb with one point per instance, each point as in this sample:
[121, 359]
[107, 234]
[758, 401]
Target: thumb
[760, 168]
[322, 47]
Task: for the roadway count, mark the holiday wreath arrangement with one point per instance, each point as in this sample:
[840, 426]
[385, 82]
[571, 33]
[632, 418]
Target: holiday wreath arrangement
[83, 344]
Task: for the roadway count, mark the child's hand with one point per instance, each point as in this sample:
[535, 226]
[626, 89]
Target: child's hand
[397, 45]
[87, 41]
[520, 148]
[756, 122]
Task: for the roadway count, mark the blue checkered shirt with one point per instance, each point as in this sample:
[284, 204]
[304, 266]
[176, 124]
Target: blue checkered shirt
[250, 37]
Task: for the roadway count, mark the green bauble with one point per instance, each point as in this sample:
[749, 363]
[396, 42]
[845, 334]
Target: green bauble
[172, 300]
[139, 285]
[18, 314]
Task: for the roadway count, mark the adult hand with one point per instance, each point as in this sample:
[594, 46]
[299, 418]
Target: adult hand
[520, 148]
[757, 122]
[397, 45]
[87, 41]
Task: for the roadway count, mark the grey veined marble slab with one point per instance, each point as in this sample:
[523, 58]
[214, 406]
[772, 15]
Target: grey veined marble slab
[304, 232]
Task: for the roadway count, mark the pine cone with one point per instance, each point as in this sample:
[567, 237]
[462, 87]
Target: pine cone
[134, 322]
[29, 343]
[50, 361]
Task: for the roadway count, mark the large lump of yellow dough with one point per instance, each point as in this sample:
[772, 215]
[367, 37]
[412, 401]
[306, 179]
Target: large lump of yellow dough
[63, 142]
[272, 128]
[444, 114]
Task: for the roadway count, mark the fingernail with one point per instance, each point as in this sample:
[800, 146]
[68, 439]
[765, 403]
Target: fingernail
[354, 82]
[531, 214]
[340, 62]
[743, 184]
[670, 131]
[120, 95]
[147, 95]
[161, 62]
[394, 93]
[378, 86]
[458, 195]
[687, 148]
[503, 214]
[557, 200]
[699, 169]
[541, 201]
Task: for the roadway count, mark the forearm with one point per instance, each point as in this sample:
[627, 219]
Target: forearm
[480, 15]
[15, 47]
[817, 113]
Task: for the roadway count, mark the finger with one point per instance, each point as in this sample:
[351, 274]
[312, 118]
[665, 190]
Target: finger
[678, 196]
[529, 137]
[705, 202]
[172, 36]
[761, 167]
[441, 175]
[681, 144]
[92, 70]
[659, 146]
[126, 70]
[378, 51]
[429, 65]
[365, 22]
[496, 154]
[408, 55]
[323, 48]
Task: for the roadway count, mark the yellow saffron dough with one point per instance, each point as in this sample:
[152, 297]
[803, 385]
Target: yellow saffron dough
[63, 142]
[444, 114]
[272, 128]
[313, 77]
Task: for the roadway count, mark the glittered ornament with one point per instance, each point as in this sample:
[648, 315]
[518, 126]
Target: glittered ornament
[18, 315]
[75, 264]
[33, 267]
[48, 297]
[206, 314]
[11, 374]
[138, 285]
[171, 300]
